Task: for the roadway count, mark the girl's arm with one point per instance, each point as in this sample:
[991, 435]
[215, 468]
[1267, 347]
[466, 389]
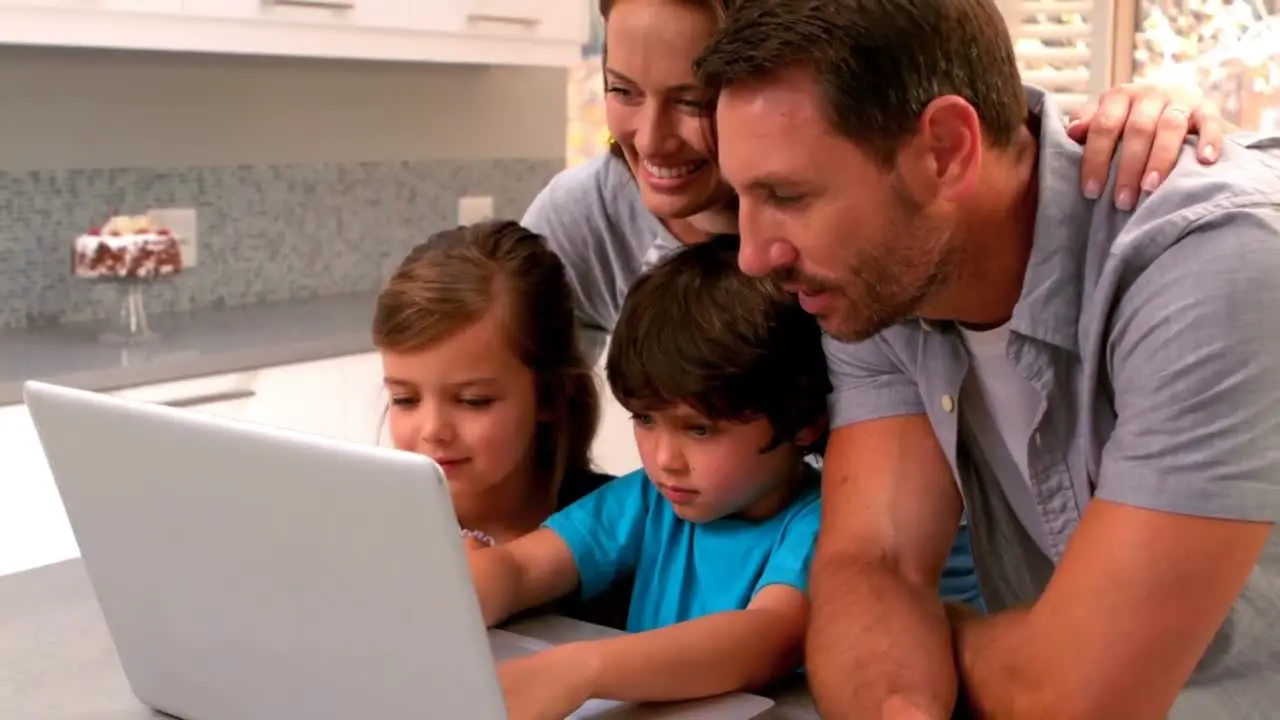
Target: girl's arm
[522, 574]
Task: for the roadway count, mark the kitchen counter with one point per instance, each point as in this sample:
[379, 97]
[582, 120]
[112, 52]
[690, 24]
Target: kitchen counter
[57, 661]
[192, 344]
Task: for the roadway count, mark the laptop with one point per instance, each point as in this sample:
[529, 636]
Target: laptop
[247, 572]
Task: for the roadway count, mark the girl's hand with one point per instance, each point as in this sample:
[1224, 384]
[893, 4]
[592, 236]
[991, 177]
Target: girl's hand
[1150, 123]
[549, 685]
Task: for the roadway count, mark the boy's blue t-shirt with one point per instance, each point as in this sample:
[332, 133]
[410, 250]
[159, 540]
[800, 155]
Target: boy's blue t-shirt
[683, 570]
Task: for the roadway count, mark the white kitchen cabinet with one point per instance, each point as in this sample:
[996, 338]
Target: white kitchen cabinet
[126, 6]
[33, 524]
[338, 397]
[356, 13]
[528, 20]
[547, 33]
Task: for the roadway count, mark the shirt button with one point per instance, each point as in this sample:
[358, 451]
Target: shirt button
[948, 403]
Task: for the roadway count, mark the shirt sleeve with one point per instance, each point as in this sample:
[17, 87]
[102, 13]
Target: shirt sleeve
[867, 383]
[1194, 361]
[791, 558]
[566, 213]
[605, 531]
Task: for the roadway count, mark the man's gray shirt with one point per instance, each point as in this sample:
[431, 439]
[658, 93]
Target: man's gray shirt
[1153, 339]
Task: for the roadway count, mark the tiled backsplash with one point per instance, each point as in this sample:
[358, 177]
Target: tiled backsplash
[269, 232]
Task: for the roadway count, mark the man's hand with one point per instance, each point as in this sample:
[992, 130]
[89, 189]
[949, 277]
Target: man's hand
[545, 686]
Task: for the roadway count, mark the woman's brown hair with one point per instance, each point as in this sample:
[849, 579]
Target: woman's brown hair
[457, 276]
[717, 7]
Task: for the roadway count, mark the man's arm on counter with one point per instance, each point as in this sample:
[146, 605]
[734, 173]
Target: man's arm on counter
[878, 644]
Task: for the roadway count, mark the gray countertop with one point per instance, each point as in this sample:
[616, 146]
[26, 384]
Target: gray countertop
[57, 661]
[204, 342]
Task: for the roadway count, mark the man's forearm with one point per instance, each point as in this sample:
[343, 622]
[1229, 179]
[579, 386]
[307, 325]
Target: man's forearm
[878, 646]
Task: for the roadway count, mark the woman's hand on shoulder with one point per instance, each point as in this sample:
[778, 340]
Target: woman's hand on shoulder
[1147, 125]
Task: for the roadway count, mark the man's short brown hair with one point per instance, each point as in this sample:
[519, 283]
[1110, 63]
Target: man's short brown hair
[878, 63]
[695, 330]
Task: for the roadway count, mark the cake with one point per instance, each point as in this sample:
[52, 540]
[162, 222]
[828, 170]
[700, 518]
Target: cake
[127, 247]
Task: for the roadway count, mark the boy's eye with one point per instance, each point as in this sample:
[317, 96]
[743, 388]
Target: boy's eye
[642, 418]
[621, 92]
[698, 430]
[476, 402]
[404, 401]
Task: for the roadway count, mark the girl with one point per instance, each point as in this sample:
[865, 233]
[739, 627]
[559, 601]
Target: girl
[485, 376]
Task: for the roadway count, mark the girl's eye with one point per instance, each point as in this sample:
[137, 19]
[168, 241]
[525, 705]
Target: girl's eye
[404, 401]
[642, 418]
[699, 430]
[476, 402]
[621, 92]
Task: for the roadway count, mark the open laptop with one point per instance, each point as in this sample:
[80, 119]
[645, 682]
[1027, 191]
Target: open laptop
[247, 572]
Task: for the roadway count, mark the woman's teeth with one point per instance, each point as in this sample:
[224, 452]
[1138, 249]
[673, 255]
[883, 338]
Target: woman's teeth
[677, 171]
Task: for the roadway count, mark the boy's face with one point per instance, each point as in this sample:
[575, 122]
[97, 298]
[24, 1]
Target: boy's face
[708, 470]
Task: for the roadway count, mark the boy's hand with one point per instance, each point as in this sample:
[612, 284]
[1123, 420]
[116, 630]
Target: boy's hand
[550, 685]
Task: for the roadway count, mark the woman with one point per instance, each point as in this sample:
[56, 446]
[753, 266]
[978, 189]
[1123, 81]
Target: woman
[658, 187]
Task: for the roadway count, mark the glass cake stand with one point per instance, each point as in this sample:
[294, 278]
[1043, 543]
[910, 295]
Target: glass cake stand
[131, 326]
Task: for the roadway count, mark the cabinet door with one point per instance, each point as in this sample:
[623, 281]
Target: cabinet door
[352, 13]
[34, 530]
[150, 6]
[366, 400]
[614, 450]
[232, 395]
[309, 397]
[540, 19]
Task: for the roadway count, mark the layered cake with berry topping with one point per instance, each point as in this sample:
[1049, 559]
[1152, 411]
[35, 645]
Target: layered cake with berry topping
[127, 247]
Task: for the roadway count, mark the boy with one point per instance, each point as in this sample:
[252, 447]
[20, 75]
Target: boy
[727, 382]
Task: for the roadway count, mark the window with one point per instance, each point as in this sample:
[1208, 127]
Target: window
[1230, 49]
[1062, 46]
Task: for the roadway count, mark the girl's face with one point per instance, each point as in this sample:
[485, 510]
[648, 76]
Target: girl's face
[654, 108]
[469, 404]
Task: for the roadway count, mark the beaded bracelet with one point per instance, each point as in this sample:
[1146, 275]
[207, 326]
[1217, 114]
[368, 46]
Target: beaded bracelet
[479, 536]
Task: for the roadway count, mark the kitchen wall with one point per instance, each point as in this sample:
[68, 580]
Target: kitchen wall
[309, 177]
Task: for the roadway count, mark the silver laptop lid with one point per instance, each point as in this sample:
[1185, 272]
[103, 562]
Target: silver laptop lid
[252, 573]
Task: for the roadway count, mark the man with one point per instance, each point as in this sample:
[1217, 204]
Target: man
[1102, 388]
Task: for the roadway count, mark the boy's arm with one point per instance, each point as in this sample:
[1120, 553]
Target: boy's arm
[587, 545]
[719, 653]
[525, 573]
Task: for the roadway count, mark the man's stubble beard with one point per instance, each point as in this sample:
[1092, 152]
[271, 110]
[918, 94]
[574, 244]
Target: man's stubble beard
[883, 288]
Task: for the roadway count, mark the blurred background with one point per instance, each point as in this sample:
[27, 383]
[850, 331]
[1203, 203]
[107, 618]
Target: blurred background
[1076, 48]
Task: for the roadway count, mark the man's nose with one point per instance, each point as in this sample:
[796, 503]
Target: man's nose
[759, 256]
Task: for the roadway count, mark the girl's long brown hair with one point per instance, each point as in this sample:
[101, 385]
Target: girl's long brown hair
[455, 278]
